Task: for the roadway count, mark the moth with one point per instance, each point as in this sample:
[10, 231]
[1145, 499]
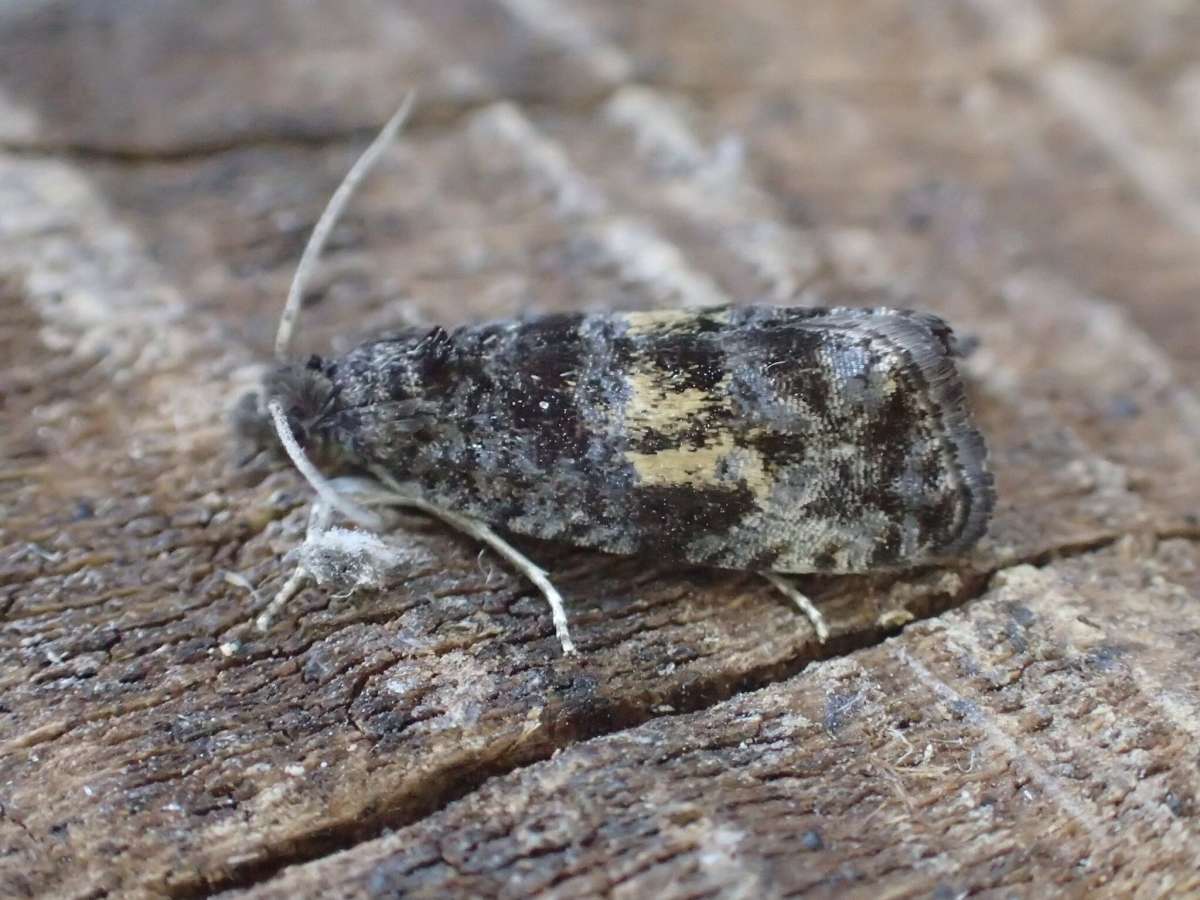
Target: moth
[767, 439]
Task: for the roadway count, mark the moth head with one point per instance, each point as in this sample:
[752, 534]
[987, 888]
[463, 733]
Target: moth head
[307, 396]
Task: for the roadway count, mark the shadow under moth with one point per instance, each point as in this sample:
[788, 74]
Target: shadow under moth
[767, 439]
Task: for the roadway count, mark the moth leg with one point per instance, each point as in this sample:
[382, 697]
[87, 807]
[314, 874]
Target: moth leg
[318, 520]
[393, 495]
[806, 606]
[388, 493]
[522, 563]
[290, 588]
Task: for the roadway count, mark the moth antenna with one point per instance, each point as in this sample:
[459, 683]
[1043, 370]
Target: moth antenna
[329, 218]
[325, 490]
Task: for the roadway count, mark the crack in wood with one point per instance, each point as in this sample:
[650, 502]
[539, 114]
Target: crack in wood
[331, 840]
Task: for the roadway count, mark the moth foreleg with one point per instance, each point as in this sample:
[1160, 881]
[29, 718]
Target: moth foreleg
[290, 588]
[319, 517]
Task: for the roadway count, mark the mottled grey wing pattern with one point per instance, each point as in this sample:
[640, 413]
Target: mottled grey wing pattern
[793, 440]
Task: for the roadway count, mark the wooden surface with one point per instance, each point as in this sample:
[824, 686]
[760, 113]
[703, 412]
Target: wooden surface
[1021, 725]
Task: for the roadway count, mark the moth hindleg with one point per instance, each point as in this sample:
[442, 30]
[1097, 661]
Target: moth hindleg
[805, 605]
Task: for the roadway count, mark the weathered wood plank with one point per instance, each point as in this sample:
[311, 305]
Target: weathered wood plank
[151, 743]
[1028, 744]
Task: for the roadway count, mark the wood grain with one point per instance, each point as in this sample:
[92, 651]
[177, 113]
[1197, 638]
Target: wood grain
[1024, 169]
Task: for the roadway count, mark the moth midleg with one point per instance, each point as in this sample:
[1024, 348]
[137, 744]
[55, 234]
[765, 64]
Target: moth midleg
[482, 532]
[395, 495]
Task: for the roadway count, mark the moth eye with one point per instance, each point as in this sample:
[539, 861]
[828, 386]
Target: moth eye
[298, 430]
